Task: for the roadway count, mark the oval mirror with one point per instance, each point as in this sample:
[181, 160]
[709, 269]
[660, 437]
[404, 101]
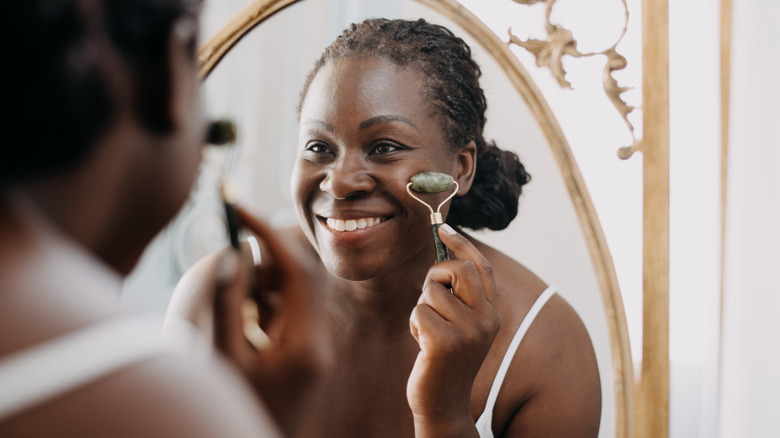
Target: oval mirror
[556, 233]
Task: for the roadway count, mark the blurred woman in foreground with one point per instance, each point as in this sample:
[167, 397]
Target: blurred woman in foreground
[102, 135]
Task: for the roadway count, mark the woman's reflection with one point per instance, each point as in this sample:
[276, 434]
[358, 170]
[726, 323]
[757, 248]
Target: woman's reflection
[497, 354]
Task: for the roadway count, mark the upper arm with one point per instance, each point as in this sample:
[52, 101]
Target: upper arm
[557, 363]
[193, 297]
[205, 400]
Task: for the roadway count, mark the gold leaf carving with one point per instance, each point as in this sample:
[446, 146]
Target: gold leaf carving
[549, 53]
[560, 41]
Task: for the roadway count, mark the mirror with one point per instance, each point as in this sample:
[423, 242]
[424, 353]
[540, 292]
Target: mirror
[257, 84]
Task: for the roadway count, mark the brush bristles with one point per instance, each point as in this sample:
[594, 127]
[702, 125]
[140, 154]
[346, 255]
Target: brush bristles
[221, 132]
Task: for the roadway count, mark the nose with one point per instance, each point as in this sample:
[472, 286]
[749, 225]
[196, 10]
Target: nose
[349, 176]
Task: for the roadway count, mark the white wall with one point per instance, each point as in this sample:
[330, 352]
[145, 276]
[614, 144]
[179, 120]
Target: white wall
[750, 381]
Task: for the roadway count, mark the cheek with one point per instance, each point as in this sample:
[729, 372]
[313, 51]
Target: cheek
[303, 183]
[193, 130]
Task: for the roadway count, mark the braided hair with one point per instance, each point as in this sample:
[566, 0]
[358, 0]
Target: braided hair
[451, 84]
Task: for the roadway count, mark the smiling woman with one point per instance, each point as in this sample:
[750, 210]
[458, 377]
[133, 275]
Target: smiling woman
[390, 99]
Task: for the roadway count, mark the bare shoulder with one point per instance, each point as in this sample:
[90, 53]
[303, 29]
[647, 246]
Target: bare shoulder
[563, 397]
[192, 298]
[194, 294]
[517, 286]
[163, 396]
[552, 387]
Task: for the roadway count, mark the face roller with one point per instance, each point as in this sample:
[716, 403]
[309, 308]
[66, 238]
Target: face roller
[433, 182]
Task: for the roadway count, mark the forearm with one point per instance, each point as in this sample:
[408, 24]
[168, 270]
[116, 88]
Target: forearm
[461, 426]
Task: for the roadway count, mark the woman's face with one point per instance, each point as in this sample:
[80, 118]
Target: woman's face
[187, 112]
[169, 162]
[365, 130]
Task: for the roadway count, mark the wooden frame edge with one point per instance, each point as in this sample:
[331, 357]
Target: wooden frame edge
[653, 386]
[725, 100]
[212, 52]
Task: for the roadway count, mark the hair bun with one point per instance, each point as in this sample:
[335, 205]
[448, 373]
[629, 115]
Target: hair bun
[487, 164]
[494, 196]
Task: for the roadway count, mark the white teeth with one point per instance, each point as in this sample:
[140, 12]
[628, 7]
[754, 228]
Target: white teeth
[352, 224]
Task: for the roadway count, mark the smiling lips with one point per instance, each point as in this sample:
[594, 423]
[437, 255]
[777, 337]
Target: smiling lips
[353, 224]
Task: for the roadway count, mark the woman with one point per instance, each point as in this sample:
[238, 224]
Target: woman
[387, 100]
[102, 131]
[423, 348]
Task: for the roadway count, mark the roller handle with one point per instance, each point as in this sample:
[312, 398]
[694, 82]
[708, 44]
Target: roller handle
[441, 251]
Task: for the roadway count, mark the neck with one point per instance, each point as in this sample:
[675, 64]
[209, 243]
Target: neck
[379, 308]
[83, 202]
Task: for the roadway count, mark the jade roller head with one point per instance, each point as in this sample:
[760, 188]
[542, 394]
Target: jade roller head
[433, 182]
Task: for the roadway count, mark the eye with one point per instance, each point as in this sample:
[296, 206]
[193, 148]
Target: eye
[317, 152]
[317, 148]
[385, 148]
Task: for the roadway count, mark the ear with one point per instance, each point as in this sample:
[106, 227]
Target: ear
[181, 81]
[466, 160]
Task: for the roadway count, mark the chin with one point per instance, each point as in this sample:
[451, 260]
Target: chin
[349, 271]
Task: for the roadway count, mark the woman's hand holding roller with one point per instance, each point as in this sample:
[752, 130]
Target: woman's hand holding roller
[455, 329]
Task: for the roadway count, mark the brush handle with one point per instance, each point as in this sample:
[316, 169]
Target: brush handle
[441, 250]
[233, 224]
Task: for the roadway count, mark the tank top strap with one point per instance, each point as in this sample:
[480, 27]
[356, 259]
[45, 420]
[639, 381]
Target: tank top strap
[42, 372]
[485, 421]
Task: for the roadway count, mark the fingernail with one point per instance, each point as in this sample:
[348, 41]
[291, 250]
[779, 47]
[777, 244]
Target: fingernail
[226, 270]
[447, 229]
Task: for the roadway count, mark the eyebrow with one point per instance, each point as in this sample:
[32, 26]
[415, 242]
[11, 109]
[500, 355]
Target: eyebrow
[320, 124]
[365, 124]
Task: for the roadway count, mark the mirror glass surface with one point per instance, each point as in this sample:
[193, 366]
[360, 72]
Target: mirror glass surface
[257, 85]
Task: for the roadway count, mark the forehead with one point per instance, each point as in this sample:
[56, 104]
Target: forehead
[365, 87]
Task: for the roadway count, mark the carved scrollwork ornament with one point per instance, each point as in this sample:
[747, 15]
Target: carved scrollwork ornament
[560, 42]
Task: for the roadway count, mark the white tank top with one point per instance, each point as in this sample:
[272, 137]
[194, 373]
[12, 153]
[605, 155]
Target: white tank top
[42, 372]
[485, 421]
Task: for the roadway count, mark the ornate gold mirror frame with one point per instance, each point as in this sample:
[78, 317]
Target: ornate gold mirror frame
[646, 413]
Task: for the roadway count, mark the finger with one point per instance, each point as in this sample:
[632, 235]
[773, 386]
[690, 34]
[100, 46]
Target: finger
[413, 326]
[231, 289]
[267, 280]
[442, 301]
[426, 323]
[287, 254]
[465, 250]
[462, 276]
[289, 261]
[296, 315]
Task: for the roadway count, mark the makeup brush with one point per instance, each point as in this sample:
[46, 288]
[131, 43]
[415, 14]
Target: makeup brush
[221, 132]
[433, 182]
